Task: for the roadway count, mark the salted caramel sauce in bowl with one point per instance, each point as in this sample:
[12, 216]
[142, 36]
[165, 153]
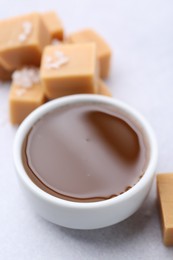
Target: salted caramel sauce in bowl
[85, 161]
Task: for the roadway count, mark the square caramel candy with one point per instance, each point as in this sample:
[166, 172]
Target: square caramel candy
[103, 89]
[26, 94]
[22, 41]
[54, 25]
[68, 69]
[165, 197]
[103, 50]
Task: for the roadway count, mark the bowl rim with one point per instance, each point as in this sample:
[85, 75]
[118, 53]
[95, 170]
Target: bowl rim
[39, 112]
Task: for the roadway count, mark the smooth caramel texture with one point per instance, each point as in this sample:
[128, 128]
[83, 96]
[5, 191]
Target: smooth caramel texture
[165, 196]
[103, 89]
[15, 53]
[103, 50]
[23, 101]
[78, 75]
[54, 25]
[85, 153]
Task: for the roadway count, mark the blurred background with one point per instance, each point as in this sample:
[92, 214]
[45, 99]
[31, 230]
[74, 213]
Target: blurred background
[141, 37]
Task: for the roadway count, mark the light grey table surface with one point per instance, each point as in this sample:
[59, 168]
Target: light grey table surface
[141, 36]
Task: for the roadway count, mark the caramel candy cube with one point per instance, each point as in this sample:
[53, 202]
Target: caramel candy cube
[22, 41]
[103, 89]
[25, 98]
[103, 50]
[165, 196]
[54, 25]
[69, 69]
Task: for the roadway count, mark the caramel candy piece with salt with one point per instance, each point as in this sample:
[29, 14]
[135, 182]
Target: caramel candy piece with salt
[103, 50]
[165, 196]
[54, 25]
[103, 89]
[26, 94]
[22, 41]
[68, 69]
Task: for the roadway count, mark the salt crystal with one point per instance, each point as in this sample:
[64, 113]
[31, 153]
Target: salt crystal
[48, 59]
[26, 77]
[57, 64]
[27, 27]
[59, 54]
[16, 75]
[22, 37]
[63, 61]
[26, 82]
[52, 65]
[56, 61]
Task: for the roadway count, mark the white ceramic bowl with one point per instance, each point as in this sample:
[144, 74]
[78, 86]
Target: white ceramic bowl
[88, 215]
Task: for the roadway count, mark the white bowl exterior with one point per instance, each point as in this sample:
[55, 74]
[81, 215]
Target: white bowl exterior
[85, 215]
[84, 218]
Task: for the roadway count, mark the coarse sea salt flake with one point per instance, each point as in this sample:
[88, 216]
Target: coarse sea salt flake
[16, 75]
[48, 59]
[63, 60]
[57, 64]
[22, 37]
[59, 54]
[53, 65]
[27, 83]
[56, 61]
[26, 77]
[26, 30]
[27, 27]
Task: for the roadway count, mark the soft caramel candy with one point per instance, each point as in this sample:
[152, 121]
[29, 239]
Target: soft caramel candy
[22, 41]
[103, 89]
[26, 94]
[103, 50]
[5, 74]
[165, 196]
[69, 69]
[54, 25]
